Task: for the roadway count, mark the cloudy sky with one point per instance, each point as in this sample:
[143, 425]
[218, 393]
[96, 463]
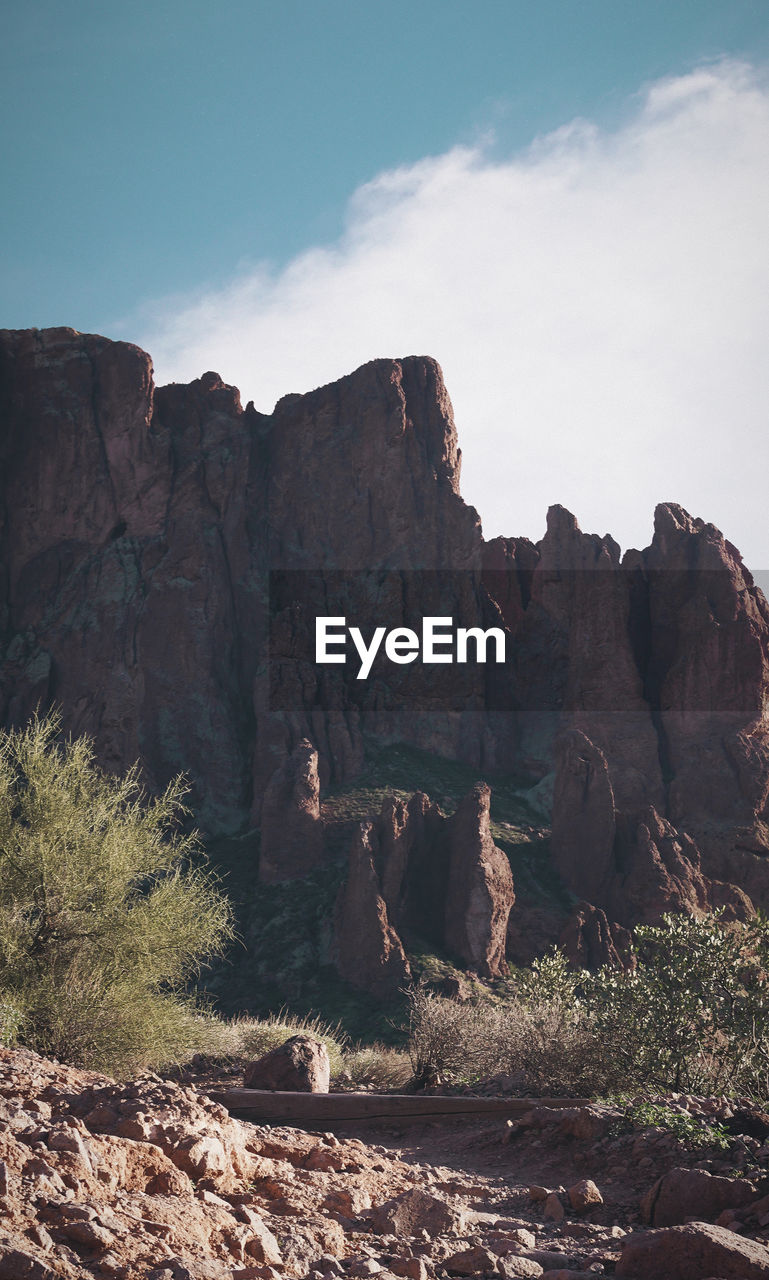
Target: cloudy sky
[565, 203]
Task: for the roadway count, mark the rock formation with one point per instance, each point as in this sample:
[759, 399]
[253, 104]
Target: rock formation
[591, 941]
[165, 552]
[291, 829]
[443, 877]
[635, 866]
[367, 950]
[479, 892]
[162, 550]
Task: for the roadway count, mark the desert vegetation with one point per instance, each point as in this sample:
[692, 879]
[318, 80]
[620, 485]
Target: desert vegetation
[691, 1015]
[107, 908]
[108, 911]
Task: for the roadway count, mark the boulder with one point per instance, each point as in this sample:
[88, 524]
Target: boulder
[519, 1268]
[416, 1211]
[554, 1210]
[693, 1193]
[18, 1263]
[300, 1065]
[471, 1262]
[584, 1195]
[695, 1251]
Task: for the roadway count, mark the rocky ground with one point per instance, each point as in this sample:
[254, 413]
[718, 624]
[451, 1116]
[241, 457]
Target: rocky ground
[153, 1179]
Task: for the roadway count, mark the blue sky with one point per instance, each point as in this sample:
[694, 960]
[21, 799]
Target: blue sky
[151, 147]
[171, 165]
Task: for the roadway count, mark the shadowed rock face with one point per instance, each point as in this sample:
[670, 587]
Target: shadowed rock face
[635, 865]
[708, 679]
[590, 940]
[291, 830]
[163, 555]
[415, 868]
[367, 951]
[479, 893]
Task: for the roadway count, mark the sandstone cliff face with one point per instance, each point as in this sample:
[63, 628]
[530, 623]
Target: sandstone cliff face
[120, 542]
[139, 532]
[479, 893]
[635, 866]
[164, 553]
[590, 940]
[708, 671]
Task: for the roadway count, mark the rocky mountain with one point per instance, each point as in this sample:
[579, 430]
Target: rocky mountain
[164, 553]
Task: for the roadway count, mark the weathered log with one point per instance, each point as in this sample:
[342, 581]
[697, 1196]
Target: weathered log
[328, 1108]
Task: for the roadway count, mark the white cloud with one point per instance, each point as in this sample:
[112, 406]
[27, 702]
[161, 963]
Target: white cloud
[599, 304]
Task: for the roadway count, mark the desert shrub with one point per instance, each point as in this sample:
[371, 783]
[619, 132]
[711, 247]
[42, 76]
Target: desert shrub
[544, 1041]
[106, 907]
[552, 1050]
[548, 1036]
[692, 1015]
[446, 1040]
[11, 1017]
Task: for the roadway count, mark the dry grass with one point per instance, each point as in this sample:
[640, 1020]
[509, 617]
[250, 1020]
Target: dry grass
[244, 1038]
[377, 1066]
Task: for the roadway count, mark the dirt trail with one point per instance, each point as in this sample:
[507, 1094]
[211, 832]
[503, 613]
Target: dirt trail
[152, 1180]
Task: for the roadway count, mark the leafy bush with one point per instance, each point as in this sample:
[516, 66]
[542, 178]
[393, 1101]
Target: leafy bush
[106, 908]
[692, 1015]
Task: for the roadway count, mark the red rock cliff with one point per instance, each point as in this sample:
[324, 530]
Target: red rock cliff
[164, 552]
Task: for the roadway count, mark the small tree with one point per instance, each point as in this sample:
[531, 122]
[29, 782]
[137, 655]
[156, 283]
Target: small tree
[106, 907]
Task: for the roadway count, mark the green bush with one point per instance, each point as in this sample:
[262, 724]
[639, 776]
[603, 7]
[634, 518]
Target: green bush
[106, 908]
[692, 1015]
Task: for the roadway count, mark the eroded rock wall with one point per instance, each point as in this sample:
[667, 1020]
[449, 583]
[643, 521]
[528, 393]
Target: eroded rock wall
[164, 552]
